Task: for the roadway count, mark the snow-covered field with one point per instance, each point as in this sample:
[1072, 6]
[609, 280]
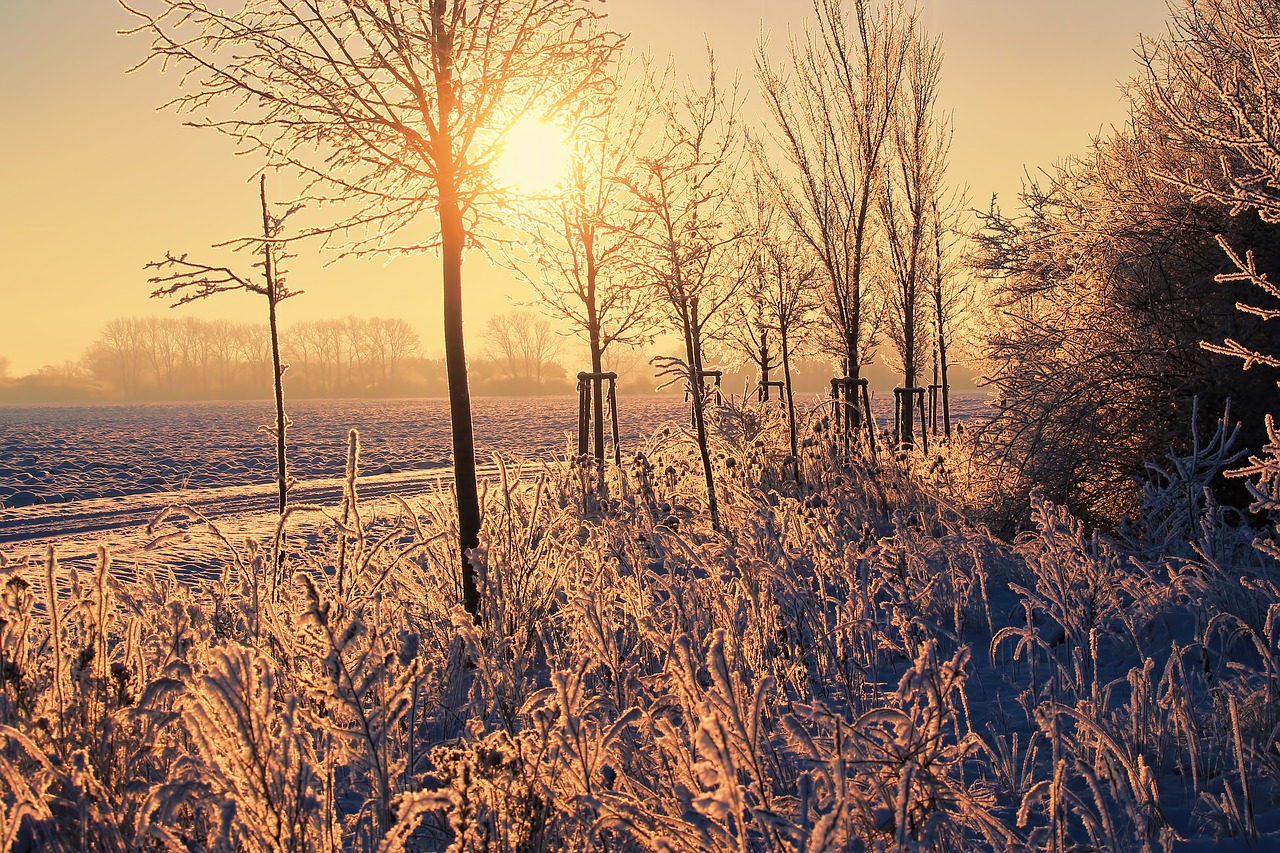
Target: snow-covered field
[119, 465]
[852, 662]
[72, 453]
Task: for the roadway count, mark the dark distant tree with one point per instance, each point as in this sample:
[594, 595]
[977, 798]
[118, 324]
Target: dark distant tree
[163, 352]
[395, 109]
[686, 234]
[298, 348]
[118, 356]
[196, 357]
[834, 108]
[4, 367]
[576, 257]
[393, 341]
[524, 344]
[189, 281]
[223, 367]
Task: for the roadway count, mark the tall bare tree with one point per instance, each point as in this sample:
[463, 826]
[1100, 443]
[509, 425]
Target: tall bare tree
[952, 295]
[780, 296]
[833, 107]
[577, 256]
[921, 138]
[686, 232]
[396, 109]
[119, 354]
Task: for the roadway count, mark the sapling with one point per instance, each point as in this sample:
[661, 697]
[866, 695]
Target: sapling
[189, 281]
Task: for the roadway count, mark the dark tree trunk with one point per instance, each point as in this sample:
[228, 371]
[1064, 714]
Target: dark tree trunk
[791, 400]
[452, 242]
[946, 386]
[597, 355]
[694, 354]
[909, 372]
[452, 239]
[764, 365]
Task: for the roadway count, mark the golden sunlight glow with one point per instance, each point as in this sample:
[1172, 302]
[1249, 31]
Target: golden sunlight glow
[534, 157]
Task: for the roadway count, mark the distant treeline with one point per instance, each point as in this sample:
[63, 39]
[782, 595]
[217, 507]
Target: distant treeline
[188, 358]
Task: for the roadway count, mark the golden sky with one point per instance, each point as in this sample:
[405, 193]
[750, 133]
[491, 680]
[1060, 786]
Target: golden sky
[95, 182]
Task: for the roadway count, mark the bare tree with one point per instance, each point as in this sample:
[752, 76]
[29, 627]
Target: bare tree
[834, 113]
[921, 138]
[951, 297]
[398, 341]
[395, 109]
[1214, 79]
[190, 281]
[331, 343]
[780, 298]
[577, 255]
[686, 233]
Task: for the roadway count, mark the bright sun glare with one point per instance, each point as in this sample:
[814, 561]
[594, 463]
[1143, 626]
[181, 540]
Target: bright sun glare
[534, 157]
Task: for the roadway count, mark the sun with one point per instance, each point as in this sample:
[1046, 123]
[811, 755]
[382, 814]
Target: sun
[534, 157]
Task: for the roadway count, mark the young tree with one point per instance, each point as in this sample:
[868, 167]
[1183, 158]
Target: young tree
[780, 297]
[834, 114]
[921, 137]
[577, 255]
[686, 234]
[951, 295]
[190, 281]
[395, 109]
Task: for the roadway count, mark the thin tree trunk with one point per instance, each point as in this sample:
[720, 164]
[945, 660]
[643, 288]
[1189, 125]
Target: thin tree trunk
[452, 243]
[597, 357]
[764, 365]
[791, 400]
[941, 324]
[699, 419]
[946, 386]
[909, 373]
[597, 400]
[269, 268]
